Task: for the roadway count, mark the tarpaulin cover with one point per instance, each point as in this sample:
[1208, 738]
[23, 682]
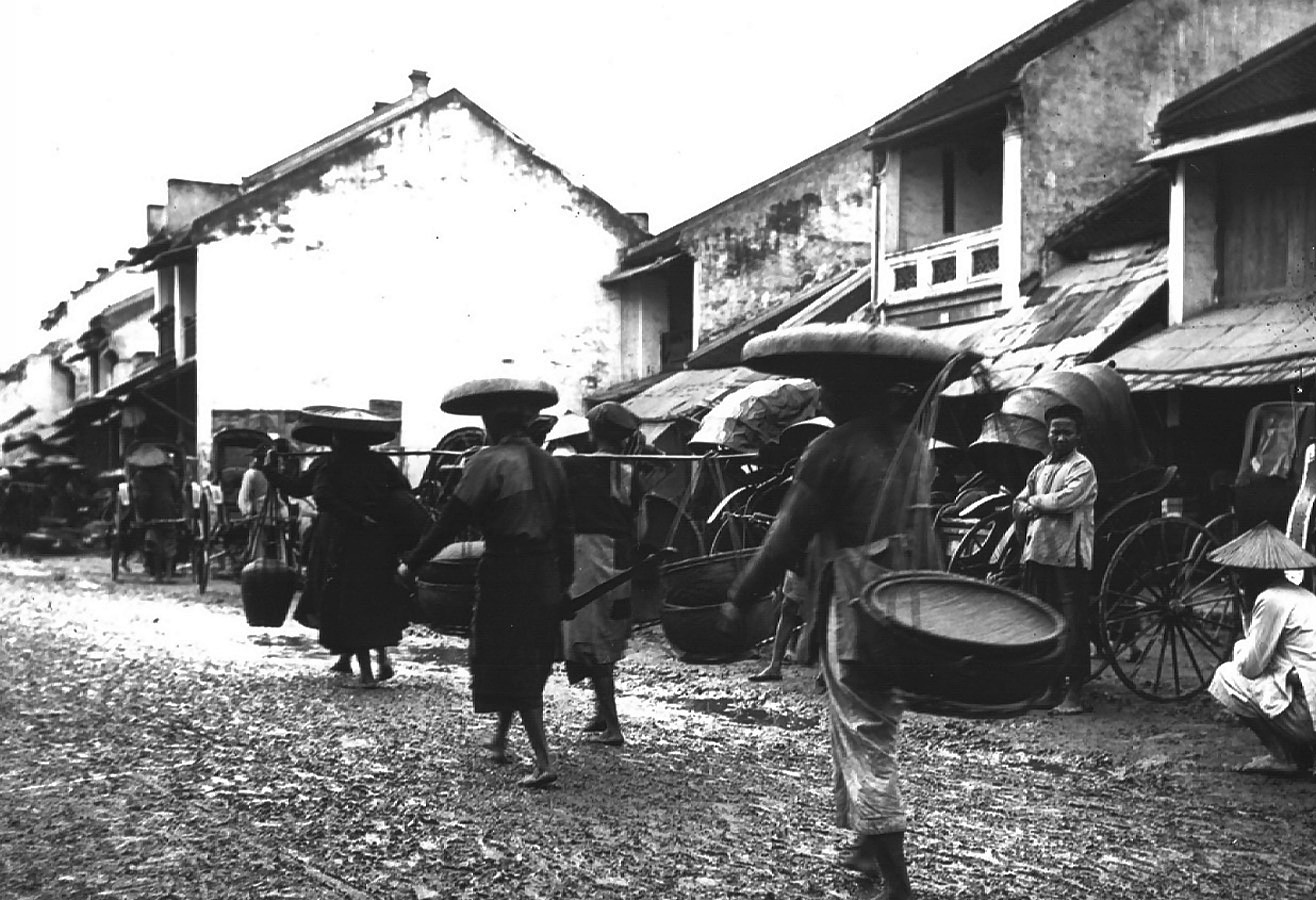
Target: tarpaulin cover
[750, 418]
[1112, 437]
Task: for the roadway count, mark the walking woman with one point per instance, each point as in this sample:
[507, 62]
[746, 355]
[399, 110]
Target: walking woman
[350, 595]
[606, 503]
[516, 495]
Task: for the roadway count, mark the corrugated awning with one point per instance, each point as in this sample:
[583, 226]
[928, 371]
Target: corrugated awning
[1075, 316]
[619, 275]
[1236, 346]
[1271, 128]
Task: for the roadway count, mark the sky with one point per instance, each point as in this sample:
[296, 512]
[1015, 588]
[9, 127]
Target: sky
[665, 107]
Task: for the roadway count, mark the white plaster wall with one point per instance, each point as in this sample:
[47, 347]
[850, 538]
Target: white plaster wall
[426, 261]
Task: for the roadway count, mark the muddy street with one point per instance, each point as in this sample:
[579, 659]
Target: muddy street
[156, 746]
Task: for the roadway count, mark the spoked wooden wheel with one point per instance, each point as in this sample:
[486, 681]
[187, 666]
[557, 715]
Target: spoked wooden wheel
[1166, 615]
[201, 545]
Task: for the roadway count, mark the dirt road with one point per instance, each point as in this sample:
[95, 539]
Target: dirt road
[155, 746]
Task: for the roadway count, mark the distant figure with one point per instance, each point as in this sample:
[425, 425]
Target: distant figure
[251, 494]
[11, 514]
[350, 595]
[606, 502]
[1057, 503]
[157, 502]
[1270, 681]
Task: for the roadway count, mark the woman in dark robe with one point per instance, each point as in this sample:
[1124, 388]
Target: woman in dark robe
[516, 494]
[350, 594]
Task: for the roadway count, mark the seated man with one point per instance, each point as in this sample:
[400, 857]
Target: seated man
[1270, 682]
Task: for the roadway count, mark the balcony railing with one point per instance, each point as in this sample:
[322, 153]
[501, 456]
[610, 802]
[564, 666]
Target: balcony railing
[944, 267]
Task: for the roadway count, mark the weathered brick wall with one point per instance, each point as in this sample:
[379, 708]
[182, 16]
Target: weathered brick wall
[759, 248]
[1090, 105]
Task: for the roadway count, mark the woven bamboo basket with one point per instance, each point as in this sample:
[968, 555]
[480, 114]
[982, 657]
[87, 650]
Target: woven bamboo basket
[446, 589]
[695, 589]
[957, 646]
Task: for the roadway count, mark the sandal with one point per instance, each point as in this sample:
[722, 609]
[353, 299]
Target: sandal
[539, 779]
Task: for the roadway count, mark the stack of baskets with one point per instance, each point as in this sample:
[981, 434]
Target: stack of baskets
[695, 589]
[957, 646]
[445, 588]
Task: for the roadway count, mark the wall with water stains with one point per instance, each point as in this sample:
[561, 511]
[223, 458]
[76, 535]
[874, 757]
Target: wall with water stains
[1090, 105]
[766, 244]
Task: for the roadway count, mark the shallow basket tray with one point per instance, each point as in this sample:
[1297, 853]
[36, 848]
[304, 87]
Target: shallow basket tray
[704, 580]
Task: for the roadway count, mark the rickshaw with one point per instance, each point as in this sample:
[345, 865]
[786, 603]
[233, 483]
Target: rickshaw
[1163, 616]
[224, 532]
[130, 522]
[1276, 477]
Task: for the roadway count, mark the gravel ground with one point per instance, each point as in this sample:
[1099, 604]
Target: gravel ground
[156, 746]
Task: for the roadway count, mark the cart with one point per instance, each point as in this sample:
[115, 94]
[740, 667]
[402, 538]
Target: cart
[151, 467]
[1276, 477]
[1163, 615]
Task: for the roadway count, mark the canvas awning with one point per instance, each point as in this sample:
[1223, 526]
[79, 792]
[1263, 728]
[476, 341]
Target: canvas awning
[1077, 315]
[1228, 347]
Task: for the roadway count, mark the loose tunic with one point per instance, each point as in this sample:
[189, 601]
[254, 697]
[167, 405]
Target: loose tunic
[1274, 664]
[605, 502]
[516, 494]
[1065, 493]
[351, 594]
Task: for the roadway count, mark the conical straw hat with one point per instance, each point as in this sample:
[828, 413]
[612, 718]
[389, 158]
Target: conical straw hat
[1264, 547]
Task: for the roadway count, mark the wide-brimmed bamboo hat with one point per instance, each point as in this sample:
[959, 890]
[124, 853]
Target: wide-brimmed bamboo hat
[317, 425]
[481, 396]
[851, 353]
[1263, 547]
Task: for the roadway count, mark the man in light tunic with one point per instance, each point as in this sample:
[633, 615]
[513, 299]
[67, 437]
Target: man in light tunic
[1270, 681]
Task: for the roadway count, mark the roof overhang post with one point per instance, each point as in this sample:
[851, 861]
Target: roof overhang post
[1191, 257]
[886, 224]
[1011, 245]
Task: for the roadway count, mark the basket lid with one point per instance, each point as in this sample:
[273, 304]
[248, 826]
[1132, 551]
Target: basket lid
[963, 611]
[883, 353]
[479, 396]
[317, 424]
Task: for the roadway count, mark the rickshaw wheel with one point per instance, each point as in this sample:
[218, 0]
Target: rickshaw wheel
[991, 551]
[1166, 615]
[201, 545]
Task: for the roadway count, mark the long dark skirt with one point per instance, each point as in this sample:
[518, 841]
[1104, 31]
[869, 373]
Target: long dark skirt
[351, 594]
[514, 632]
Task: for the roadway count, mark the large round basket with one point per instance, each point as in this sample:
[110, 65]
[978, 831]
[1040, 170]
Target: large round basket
[445, 588]
[957, 646]
[695, 588]
[267, 586]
